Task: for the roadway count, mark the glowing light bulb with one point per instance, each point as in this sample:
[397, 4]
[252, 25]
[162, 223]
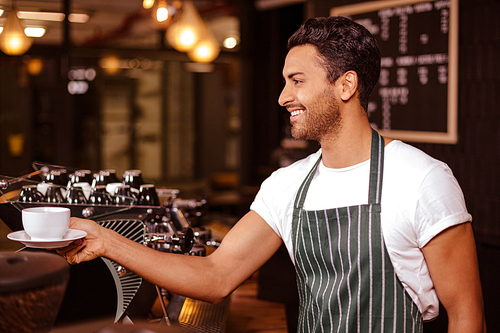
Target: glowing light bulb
[161, 11]
[187, 37]
[207, 49]
[230, 42]
[184, 33]
[13, 40]
[147, 4]
[162, 14]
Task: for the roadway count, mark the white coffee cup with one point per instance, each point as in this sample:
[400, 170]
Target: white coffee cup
[46, 223]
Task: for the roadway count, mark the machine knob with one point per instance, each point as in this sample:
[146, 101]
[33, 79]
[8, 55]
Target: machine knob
[184, 239]
[122, 271]
[88, 212]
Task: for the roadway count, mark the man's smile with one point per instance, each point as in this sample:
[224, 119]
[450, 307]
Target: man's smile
[296, 112]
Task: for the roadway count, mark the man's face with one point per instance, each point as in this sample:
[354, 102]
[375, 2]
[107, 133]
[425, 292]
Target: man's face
[308, 95]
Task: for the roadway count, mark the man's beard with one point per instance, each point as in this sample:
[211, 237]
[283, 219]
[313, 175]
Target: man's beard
[321, 118]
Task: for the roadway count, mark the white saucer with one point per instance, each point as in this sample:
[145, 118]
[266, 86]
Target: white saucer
[70, 236]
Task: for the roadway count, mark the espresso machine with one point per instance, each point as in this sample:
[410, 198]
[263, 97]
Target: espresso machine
[155, 217]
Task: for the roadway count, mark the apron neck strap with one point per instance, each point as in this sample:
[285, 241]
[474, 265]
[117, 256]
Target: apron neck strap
[376, 172]
[301, 195]
[376, 168]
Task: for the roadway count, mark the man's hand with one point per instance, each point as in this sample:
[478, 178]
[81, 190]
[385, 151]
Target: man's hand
[88, 248]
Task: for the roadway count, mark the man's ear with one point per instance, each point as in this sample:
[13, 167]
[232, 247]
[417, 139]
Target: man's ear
[349, 82]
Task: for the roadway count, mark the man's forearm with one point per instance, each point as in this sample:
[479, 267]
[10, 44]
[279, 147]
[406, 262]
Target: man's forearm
[247, 246]
[191, 276]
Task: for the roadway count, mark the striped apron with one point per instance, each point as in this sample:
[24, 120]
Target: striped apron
[345, 277]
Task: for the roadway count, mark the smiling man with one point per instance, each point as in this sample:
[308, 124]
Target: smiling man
[378, 231]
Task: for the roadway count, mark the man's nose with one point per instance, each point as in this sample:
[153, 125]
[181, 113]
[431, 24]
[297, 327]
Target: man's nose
[286, 96]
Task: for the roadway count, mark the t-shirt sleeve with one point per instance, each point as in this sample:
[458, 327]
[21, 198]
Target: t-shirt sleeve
[441, 204]
[264, 203]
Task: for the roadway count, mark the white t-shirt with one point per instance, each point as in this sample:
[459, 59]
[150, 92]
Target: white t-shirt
[420, 198]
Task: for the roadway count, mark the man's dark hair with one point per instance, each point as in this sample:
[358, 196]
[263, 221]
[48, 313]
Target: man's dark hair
[343, 45]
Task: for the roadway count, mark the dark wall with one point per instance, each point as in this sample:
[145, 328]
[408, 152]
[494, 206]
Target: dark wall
[16, 123]
[263, 50]
[211, 127]
[40, 108]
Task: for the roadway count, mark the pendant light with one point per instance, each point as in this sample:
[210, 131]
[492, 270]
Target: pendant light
[207, 49]
[147, 4]
[186, 31]
[13, 40]
[161, 14]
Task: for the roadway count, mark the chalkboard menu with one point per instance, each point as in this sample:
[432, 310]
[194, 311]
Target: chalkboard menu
[415, 98]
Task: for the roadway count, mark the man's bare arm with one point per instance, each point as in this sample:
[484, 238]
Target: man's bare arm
[452, 260]
[247, 246]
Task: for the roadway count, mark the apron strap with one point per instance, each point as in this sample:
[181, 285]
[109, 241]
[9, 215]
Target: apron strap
[376, 168]
[301, 195]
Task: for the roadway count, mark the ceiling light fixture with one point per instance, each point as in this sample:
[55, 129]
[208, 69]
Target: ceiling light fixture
[230, 42]
[41, 16]
[185, 32]
[53, 16]
[13, 40]
[207, 49]
[34, 31]
[161, 13]
[78, 17]
[147, 4]
[189, 33]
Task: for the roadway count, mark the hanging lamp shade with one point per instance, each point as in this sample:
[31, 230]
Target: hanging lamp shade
[207, 49]
[13, 40]
[186, 31]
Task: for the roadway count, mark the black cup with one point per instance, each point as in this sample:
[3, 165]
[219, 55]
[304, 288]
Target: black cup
[30, 193]
[133, 178]
[58, 177]
[148, 195]
[105, 177]
[99, 196]
[80, 176]
[84, 176]
[75, 195]
[54, 194]
[123, 195]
